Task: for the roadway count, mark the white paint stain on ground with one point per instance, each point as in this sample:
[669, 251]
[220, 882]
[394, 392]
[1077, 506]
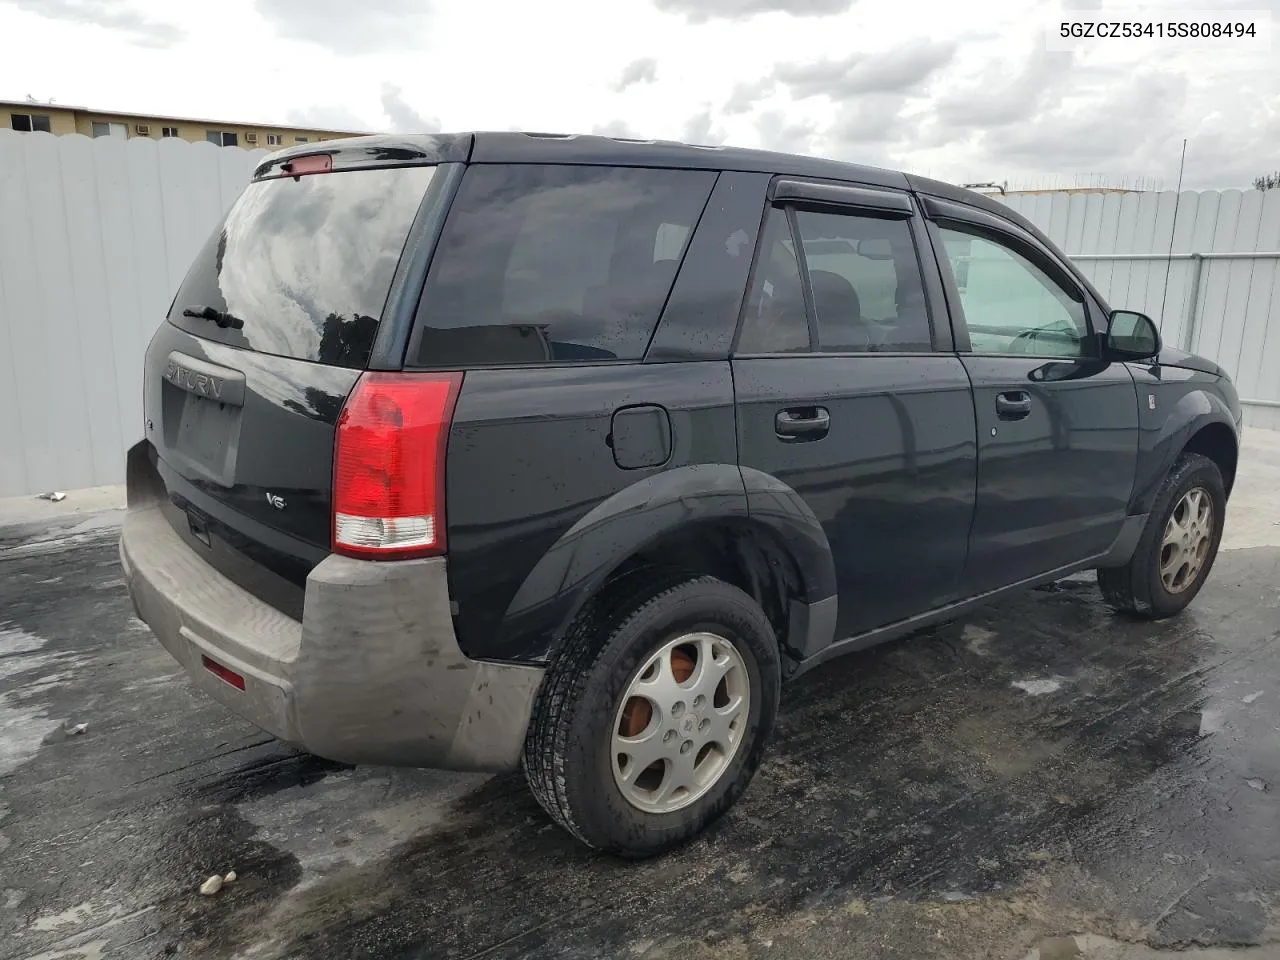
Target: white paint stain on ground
[24, 724]
[13, 640]
[354, 817]
[976, 639]
[1038, 688]
[71, 917]
[95, 950]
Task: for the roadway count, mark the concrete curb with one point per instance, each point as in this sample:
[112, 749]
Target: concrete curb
[30, 519]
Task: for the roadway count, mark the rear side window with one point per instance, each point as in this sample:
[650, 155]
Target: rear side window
[304, 265]
[542, 263]
[863, 277]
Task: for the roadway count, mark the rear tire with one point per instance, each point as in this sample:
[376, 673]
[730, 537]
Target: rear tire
[1178, 544]
[685, 669]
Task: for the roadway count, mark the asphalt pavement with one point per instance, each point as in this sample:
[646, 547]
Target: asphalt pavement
[1043, 779]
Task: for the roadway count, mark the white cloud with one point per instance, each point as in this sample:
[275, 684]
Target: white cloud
[920, 86]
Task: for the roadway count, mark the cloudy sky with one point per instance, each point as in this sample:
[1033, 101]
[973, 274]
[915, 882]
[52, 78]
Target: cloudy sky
[960, 91]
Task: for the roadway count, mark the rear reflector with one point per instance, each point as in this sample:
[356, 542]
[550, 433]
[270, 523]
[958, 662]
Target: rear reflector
[388, 467]
[221, 672]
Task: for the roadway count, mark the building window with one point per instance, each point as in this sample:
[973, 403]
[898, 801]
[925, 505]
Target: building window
[221, 138]
[30, 122]
[273, 139]
[301, 139]
[168, 131]
[104, 129]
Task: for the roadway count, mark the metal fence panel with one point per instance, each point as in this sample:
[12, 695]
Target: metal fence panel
[95, 236]
[1210, 280]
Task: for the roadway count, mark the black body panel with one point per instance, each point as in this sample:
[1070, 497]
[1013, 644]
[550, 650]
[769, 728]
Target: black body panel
[539, 510]
[892, 483]
[220, 461]
[1053, 487]
[1175, 403]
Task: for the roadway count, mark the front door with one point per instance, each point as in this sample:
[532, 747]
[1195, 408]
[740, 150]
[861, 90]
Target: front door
[842, 397]
[1057, 426]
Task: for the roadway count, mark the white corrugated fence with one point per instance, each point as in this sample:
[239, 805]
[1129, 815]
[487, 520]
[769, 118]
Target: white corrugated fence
[1221, 299]
[95, 236]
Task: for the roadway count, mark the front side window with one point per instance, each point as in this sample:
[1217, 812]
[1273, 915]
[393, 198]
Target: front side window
[1011, 305]
[867, 290]
[546, 263]
[168, 131]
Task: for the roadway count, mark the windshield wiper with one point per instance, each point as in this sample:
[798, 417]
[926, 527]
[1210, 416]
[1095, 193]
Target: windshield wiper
[223, 320]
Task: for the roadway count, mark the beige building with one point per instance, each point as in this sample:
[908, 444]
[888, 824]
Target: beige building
[59, 119]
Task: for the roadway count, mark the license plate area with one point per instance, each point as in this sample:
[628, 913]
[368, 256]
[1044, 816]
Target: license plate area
[203, 434]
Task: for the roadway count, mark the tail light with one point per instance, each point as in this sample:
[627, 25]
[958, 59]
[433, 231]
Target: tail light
[389, 461]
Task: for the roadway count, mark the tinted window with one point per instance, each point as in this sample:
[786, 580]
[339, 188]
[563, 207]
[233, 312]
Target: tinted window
[867, 289]
[774, 318]
[1010, 304]
[306, 264]
[541, 263]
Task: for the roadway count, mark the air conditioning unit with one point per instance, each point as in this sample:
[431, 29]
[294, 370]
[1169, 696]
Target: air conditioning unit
[142, 129]
[250, 138]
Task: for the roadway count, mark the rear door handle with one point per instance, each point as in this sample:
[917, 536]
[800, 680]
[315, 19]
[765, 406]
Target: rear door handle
[796, 424]
[1014, 405]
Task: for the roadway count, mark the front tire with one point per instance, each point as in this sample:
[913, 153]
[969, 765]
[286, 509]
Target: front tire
[655, 715]
[1178, 544]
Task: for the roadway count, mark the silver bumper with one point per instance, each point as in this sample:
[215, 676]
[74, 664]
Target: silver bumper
[372, 674]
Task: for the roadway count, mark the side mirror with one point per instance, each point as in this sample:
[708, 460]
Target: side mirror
[1132, 336]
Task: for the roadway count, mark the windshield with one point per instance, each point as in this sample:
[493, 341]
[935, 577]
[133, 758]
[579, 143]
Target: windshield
[301, 268]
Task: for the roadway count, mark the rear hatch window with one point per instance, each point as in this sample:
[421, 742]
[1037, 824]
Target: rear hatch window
[301, 268]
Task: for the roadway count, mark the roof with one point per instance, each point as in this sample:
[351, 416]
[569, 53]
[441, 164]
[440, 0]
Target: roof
[508, 147]
[164, 116]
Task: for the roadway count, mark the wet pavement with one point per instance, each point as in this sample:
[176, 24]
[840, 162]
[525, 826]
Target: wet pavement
[1039, 770]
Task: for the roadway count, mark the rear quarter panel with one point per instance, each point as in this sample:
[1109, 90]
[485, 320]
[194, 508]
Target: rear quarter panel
[530, 457]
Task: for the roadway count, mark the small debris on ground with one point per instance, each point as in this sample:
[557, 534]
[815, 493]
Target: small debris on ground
[75, 731]
[55, 495]
[230, 877]
[1257, 783]
[212, 885]
[1252, 697]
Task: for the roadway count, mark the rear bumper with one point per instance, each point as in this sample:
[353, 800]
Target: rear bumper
[372, 673]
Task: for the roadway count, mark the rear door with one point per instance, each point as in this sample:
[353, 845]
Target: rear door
[847, 393]
[1057, 426]
[266, 337]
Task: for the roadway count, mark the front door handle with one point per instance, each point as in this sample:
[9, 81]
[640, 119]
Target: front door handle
[796, 424]
[1014, 405]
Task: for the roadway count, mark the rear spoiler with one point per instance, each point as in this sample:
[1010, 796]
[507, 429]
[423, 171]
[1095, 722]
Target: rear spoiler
[364, 153]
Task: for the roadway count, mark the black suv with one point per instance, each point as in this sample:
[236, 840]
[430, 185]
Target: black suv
[476, 450]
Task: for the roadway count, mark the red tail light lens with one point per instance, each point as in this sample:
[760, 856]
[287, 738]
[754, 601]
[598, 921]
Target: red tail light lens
[389, 459]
